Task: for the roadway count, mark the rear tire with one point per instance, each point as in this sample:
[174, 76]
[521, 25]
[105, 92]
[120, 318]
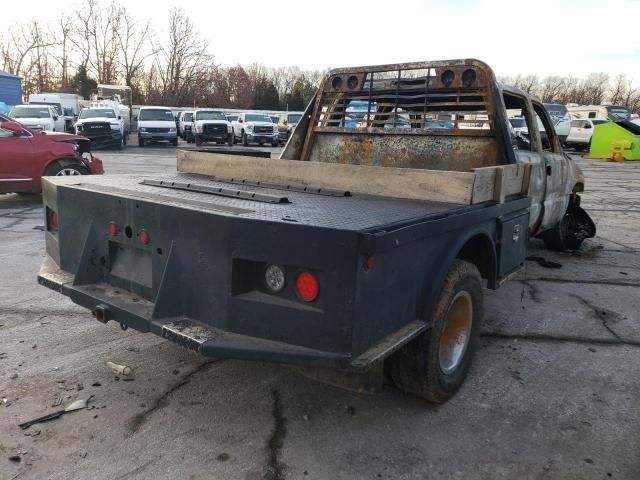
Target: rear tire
[175, 142]
[434, 365]
[198, 140]
[140, 142]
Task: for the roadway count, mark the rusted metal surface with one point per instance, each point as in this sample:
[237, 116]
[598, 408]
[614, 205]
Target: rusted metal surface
[444, 152]
[414, 115]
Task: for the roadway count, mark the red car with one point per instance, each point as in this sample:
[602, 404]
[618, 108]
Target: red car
[25, 156]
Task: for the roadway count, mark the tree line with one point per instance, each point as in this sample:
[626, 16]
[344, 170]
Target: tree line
[596, 89]
[100, 43]
[106, 44]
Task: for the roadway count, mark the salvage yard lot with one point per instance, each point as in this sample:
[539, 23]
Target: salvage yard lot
[553, 392]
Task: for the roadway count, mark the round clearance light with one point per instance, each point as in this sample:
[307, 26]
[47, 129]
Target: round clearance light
[336, 83]
[143, 236]
[447, 77]
[468, 77]
[274, 278]
[307, 286]
[352, 82]
[113, 229]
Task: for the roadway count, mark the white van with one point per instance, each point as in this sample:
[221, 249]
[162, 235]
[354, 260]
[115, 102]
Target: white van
[156, 124]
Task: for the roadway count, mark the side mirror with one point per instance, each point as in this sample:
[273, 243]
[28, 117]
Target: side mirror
[14, 127]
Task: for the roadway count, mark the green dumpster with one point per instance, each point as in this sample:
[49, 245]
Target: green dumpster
[616, 141]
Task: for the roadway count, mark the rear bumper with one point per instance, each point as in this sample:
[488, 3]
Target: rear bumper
[107, 303]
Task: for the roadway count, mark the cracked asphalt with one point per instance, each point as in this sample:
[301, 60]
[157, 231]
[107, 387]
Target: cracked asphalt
[553, 392]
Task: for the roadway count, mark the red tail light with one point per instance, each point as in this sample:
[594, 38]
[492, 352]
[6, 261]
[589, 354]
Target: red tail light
[54, 220]
[143, 236]
[307, 286]
[113, 229]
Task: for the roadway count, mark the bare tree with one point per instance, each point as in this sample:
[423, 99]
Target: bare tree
[134, 42]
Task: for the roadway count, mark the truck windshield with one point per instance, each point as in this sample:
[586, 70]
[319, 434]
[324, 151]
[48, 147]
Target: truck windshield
[57, 106]
[98, 113]
[154, 114]
[257, 117]
[25, 112]
[210, 116]
[188, 117]
[294, 118]
[517, 122]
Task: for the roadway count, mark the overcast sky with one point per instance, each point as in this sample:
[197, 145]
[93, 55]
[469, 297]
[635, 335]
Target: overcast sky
[543, 37]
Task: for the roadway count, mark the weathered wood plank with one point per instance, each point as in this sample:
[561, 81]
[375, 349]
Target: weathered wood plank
[496, 183]
[414, 184]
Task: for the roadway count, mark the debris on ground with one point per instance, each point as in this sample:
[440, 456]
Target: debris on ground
[543, 262]
[119, 369]
[72, 407]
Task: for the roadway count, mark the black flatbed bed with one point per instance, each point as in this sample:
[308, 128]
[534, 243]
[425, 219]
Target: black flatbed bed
[336, 210]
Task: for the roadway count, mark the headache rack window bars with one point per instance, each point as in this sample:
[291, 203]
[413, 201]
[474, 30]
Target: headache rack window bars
[416, 99]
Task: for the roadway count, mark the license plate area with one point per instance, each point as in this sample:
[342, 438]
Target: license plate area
[130, 268]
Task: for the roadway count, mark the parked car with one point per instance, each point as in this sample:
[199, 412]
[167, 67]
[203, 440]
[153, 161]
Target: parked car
[286, 124]
[66, 104]
[212, 125]
[581, 131]
[38, 117]
[156, 124]
[27, 155]
[103, 126]
[186, 126]
[254, 127]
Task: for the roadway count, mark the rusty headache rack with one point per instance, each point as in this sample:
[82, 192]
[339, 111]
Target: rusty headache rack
[381, 107]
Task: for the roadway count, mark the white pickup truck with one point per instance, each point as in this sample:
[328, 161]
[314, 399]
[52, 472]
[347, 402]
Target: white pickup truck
[251, 127]
[581, 131]
[103, 126]
[38, 117]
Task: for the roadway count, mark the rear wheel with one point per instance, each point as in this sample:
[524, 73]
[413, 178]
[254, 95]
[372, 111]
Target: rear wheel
[175, 142]
[63, 169]
[198, 140]
[140, 142]
[434, 365]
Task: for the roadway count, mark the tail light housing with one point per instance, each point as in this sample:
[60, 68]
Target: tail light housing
[307, 286]
[53, 222]
[113, 229]
[143, 236]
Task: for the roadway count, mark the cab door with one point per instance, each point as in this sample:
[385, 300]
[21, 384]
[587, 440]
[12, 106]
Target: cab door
[16, 161]
[558, 170]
